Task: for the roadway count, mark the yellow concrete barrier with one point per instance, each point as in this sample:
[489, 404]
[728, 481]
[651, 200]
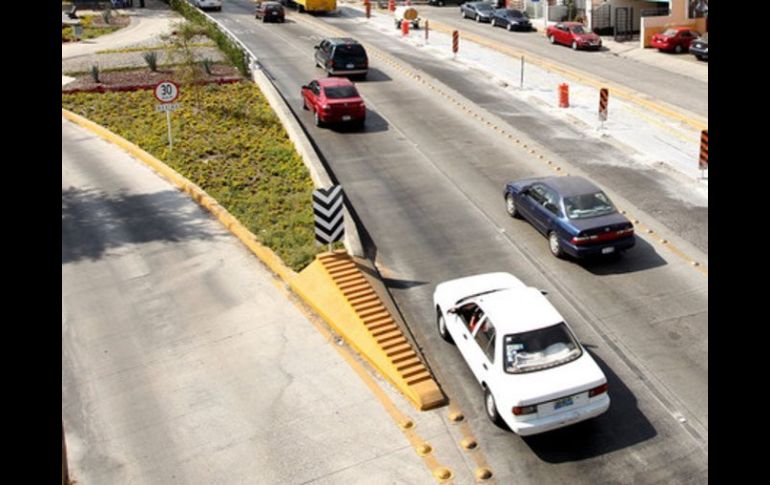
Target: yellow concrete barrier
[336, 289]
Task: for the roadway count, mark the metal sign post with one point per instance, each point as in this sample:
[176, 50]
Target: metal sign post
[521, 82]
[166, 92]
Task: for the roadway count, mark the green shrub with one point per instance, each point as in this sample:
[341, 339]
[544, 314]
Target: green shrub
[95, 73]
[207, 63]
[151, 58]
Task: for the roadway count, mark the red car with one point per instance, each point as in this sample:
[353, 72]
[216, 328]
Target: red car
[677, 39]
[334, 100]
[573, 34]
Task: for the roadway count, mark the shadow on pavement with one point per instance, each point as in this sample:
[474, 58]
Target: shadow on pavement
[622, 426]
[374, 124]
[94, 223]
[374, 76]
[639, 258]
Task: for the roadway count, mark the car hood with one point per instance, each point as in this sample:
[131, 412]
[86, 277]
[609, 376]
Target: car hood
[535, 387]
[449, 292]
[598, 222]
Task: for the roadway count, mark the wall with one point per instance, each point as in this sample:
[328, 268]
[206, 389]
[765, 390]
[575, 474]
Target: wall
[678, 17]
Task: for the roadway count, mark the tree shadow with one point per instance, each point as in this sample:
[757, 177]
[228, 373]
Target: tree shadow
[93, 223]
[622, 426]
[639, 258]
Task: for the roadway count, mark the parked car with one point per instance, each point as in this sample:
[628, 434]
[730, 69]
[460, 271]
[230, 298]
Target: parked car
[342, 56]
[511, 19]
[574, 35]
[535, 375]
[700, 47]
[334, 100]
[209, 4]
[441, 3]
[478, 11]
[677, 39]
[270, 12]
[576, 216]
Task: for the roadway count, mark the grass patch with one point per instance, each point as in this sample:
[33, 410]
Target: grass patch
[233, 146]
[90, 30]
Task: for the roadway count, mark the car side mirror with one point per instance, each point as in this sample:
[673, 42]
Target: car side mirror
[543, 292]
[452, 310]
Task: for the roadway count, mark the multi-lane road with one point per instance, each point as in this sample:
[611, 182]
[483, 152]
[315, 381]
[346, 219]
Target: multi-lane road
[426, 181]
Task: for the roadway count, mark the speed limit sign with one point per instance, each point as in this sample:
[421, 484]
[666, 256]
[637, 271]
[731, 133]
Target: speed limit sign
[166, 91]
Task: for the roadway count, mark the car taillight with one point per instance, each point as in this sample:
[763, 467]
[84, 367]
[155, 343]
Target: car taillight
[583, 239]
[598, 390]
[519, 410]
[625, 232]
[329, 63]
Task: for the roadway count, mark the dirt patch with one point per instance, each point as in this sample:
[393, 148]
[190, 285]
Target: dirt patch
[144, 77]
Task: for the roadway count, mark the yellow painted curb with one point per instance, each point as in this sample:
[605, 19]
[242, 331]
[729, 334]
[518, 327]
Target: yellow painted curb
[265, 254]
[336, 289]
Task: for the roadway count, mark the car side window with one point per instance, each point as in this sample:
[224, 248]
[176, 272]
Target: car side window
[485, 338]
[551, 201]
[537, 192]
[471, 315]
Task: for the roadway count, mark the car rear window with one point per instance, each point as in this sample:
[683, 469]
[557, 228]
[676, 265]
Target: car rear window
[588, 205]
[339, 92]
[272, 8]
[539, 349]
[577, 29]
[669, 33]
[349, 51]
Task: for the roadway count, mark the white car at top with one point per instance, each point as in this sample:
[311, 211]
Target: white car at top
[535, 375]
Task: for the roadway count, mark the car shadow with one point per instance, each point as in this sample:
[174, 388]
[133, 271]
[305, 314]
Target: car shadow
[374, 124]
[374, 76]
[622, 426]
[639, 258]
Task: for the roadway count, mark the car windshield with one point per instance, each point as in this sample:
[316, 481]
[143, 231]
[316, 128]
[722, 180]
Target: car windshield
[669, 33]
[539, 349]
[339, 92]
[588, 205]
[483, 6]
[514, 14]
[577, 29]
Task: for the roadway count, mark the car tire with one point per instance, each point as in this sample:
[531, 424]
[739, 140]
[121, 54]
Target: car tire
[491, 408]
[442, 330]
[317, 119]
[554, 245]
[441, 3]
[462, 13]
[510, 206]
[478, 19]
[574, 45]
[304, 104]
[678, 49]
[552, 39]
[509, 27]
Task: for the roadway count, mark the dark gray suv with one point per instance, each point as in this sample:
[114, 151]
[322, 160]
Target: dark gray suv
[342, 56]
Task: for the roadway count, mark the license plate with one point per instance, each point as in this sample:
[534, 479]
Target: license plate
[273, 13]
[351, 66]
[346, 118]
[561, 403]
[608, 250]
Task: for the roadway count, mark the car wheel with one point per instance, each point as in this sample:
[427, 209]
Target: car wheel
[304, 104]
[509, 27]
[510, 206]
[678, 49]
[553, 244]
[462, 13]
[442, 330]
[574, 45]
[317, 118]
[441, 3]
[478, 19]
[552, 39]
[491, 408]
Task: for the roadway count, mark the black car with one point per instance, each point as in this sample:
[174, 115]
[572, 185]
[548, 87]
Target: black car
[441, 3]
[478, 11]
[574, 214]
[511, 19]
[342, 56]
[270, 12]
[700, 47]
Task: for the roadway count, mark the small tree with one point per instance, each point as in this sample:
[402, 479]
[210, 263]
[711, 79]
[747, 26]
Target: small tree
[95, 73]
[181, 48]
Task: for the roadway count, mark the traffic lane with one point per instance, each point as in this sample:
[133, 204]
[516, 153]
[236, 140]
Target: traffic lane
[674, 204]
[417, 223]
[672, 88]
[183, 360]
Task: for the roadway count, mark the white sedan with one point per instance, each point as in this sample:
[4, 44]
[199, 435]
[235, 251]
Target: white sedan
[209, 4]
[535, 374]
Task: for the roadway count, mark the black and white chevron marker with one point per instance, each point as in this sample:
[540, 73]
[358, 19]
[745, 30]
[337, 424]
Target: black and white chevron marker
[327, 208]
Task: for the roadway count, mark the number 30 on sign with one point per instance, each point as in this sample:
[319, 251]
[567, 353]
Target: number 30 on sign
[166, 91]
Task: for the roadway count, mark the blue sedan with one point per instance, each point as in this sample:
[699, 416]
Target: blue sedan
[576, 216]
[511, 19]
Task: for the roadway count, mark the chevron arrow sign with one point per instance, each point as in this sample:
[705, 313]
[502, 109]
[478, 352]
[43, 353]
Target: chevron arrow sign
[327, 208]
